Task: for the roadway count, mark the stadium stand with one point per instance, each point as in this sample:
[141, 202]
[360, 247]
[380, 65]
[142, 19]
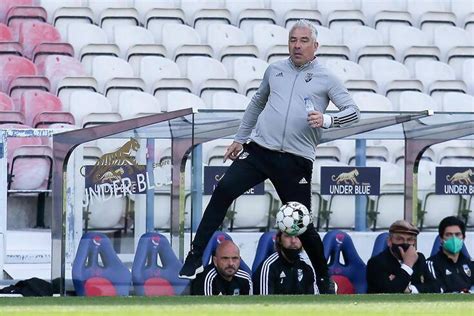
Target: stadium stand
[265, 247]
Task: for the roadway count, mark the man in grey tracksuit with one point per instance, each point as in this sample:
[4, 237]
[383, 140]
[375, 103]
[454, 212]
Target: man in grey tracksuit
[277, 140]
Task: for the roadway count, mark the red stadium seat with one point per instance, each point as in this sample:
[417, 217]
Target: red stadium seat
[7, 112]
[16, 16]
[56, 68]
[33, 33]
[26, 83]
[6, 103]
[12, 67]
[6, 5]
[30, 168]
[41, 107]
[10, 48]
[43, 50]
[5, 33]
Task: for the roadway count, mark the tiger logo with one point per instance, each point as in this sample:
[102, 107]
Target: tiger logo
[347, 177]
[111, 175]
[461, 177]
[120, 157]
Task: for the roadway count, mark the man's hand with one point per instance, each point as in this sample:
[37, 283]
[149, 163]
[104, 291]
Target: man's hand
[315, 119]
[233, 151]
[409, 257]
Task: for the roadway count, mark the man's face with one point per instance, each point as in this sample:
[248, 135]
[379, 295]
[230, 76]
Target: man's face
[290, 242]
[301, 45]
[227, 261]
[451, 231]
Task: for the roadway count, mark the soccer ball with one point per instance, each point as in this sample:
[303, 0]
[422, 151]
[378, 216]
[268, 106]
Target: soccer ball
[293, 218]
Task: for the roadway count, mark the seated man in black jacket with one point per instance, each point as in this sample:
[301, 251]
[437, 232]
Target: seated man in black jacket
[399, 268]
[284, 272]
[223, 276]
[449, 266]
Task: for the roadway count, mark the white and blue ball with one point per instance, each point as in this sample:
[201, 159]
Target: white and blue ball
[293, 218]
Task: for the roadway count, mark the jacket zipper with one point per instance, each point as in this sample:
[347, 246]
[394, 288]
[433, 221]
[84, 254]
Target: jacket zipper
[288, 111]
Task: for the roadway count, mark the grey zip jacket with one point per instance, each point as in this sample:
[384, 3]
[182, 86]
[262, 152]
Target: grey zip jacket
[278, 113]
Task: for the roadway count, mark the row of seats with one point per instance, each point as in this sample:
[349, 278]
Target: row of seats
[423, 14]
[98, 271]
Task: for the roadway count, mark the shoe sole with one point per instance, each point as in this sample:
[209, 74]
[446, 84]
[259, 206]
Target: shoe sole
[192, 277]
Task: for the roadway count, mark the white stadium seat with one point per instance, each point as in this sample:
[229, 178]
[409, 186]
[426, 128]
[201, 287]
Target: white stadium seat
[125, 36]
[247, 69]
[175, 35]
[457, 102]
[82, 104]
[153, 68]
[112, 17]
[105, 68]
[156, 19]
[367, 101]
[133, 104]
[268, 35]
[327, 36]
[447, 37]
[161, 88]
[178, 100]
[403, 36]
[428, 71]
[200, 69]
[467, 77]
[416, 101]
[384, 71]
[345, 69]
[66, 15]
[224, 100]
[75, 36]
[222, 35]
[206, 17]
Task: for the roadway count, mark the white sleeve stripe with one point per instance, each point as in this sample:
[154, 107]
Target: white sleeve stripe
[315, 284]
[208, 281]
[264, 273]
[244, 275]
[431, 268]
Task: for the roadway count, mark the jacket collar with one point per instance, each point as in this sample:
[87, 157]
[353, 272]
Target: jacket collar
[304, 66]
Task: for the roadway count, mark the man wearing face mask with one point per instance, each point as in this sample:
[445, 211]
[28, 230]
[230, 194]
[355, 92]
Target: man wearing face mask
[399, 268]
[284, 272]
[450, 267]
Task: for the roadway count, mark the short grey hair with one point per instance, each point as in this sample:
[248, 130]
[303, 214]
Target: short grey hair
[305, 24]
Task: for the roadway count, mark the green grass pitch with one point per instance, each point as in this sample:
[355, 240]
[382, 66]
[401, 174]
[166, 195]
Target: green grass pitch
[347, 305]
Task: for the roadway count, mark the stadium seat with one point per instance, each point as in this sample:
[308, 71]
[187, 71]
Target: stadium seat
[97, 270]
[136, 53]
[362, 86]
[290, 17]
[416, 101]
[268, 35]
[394, 88]
[390, 203]
[380, 244]
[125, 36]
[251, 212]
[403, 36]
[176, 35]
[132, 104]
[56, 68]
[154, 68]
[185, 52]
[41, 51]
[371, 7]
[155, 20]
[250, 17]
[456, 153]
[155, 267]
[328, 37]
[33, 33]
[467, 71]
[192, 9]
[447, 37]
[113, 17]
[247, 68]
[12, 67]
[265, 247]
[30, 166]
[417, 9]
[327, 52]
[177, 100]
[223, 35]
[26, 83]
[38, 103]
[461, 8]
[393, 70]
[346, 18]
[99, 6]
[282, 8]
[341, 209]
[6, 103]
[224, 100]
[210, 250]
[75, 36]
[199, 69]
[83, 104]
[105, 68]
[230, 53]
[428, 71]
[359, 36]
[437, 207]
[251, 87]
[91, 51]
[70, 84]
[437, 247]
[345, 69]
[457, 102]
[367, 101]
[211, 86]
[326, 7]
[114, 87]
[206, 18]
[457, 56]
[19, 15]
[6, 5]
[276, 52]
[63, 16]
[348, 274]
[384, 20]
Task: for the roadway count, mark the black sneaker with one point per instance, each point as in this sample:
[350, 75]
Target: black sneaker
[192, 266]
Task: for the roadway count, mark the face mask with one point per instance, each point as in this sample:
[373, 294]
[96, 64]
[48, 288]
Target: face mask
[291, 254]
[396, 250]
[453, 245]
